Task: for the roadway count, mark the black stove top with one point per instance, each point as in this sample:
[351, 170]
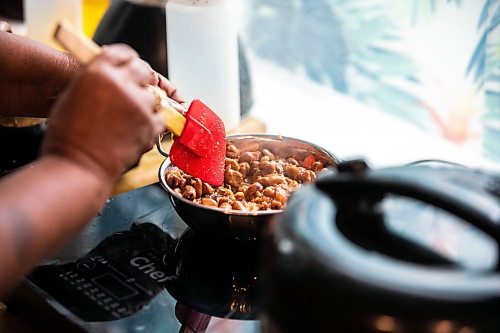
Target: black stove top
[138, 268]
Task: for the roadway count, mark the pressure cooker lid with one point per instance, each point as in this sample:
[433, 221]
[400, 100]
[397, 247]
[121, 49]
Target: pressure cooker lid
[415, 246]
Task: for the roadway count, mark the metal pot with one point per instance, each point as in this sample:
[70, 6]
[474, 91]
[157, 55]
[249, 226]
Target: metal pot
[233, 223]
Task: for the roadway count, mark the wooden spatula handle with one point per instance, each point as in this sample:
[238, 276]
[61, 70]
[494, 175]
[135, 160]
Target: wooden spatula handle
[76, 43]
[172, 119]
[84, 49]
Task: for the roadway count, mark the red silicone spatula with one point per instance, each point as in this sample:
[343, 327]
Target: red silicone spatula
[185, 157]
[199, 146]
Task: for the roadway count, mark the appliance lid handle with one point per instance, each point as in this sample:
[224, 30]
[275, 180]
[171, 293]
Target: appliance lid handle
[478, 208]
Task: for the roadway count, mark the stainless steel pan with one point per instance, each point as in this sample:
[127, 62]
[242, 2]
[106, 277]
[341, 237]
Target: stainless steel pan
[234, 223]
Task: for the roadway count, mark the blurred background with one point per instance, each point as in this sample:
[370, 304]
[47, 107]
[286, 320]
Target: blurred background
[392, 81]
[389, 80]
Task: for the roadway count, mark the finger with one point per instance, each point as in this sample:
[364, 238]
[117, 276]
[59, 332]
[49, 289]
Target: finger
[142, 72]
[170, 90]
[155, 80]
[149, 108]
[118, 54]
[158, 123]
[149, 99]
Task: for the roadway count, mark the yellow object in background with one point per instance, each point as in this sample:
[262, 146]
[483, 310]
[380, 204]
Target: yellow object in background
[93, 10]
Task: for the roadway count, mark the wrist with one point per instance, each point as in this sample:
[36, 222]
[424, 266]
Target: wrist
[66, 67]
[77, 149]
[84, 166]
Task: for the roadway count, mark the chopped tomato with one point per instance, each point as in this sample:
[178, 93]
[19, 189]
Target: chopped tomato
[308, 161]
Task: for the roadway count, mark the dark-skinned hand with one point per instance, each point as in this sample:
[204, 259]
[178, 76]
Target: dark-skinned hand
[105, 119]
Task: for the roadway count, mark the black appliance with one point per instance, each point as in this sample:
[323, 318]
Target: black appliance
[406, 249]
[138, 268]
[12, 9]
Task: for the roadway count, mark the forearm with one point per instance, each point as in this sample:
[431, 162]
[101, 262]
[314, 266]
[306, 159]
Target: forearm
[31, 76]
[43, 207]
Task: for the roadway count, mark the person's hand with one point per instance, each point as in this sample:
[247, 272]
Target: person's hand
[105, 120]
[169, 88]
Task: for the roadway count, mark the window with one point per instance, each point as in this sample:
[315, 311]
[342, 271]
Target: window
[392, 81]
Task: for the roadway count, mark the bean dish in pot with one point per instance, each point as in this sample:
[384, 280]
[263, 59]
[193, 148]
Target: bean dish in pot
[254, 179]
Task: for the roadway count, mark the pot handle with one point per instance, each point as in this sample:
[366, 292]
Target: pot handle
[160, 147]
[178, 107]
[447, 189]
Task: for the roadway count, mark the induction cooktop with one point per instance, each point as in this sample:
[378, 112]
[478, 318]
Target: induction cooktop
[138, 268]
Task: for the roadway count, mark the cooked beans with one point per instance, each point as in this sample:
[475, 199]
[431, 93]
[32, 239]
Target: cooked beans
[233, 178]
[253, 180]
[250, 156]
[208, 202]
[189, 192]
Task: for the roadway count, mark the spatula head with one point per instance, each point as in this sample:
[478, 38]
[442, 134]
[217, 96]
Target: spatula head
[201, 148]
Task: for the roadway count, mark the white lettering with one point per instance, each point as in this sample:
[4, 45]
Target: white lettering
[146, 266]
[134, 261]
[157, 275]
